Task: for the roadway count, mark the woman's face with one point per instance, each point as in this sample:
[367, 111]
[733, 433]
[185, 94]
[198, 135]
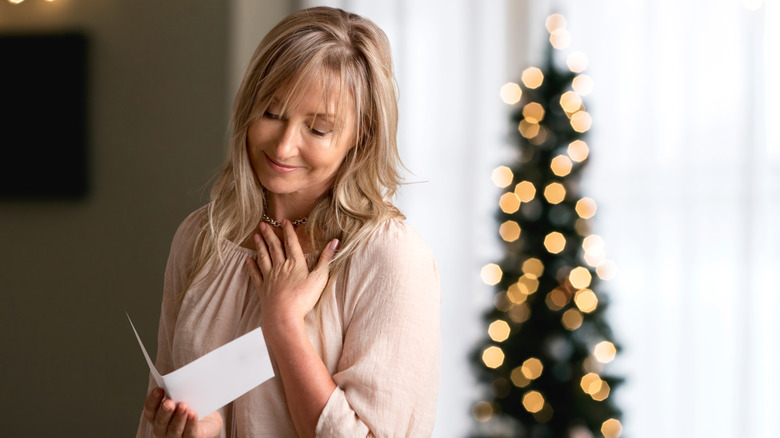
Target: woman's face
[298, 153]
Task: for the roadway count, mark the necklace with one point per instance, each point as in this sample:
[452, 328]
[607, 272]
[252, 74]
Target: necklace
[278, 224]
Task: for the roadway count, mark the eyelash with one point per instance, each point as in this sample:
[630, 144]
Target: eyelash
[278, 117]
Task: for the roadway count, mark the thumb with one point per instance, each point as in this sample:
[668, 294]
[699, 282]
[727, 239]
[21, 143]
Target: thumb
[327, 255]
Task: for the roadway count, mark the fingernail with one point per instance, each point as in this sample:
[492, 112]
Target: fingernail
[167, 406]
[334, 245]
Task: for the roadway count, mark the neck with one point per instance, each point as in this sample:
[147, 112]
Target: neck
[288, 207]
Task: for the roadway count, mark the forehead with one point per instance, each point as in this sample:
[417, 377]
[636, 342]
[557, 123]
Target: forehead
[322, 94]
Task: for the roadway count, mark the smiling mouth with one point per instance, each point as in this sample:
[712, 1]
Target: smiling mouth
[279, 167]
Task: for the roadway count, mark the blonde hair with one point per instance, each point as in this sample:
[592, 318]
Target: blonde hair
[316, 44]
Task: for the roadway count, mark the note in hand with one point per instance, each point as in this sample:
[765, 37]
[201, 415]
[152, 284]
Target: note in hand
[219, 377]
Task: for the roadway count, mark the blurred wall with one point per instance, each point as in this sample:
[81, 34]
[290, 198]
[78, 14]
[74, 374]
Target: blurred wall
[160, 91]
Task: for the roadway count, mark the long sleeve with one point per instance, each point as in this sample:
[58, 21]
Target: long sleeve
[176, 277]
[389, 371]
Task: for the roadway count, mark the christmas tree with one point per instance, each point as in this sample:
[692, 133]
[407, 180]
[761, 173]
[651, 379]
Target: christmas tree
[548, 340]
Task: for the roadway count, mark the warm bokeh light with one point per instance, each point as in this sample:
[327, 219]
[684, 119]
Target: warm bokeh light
[611, 428]
[582, 84]
[578, 151]
[586, 300]
[594, 242]
[528, 129]
[482, 411]
[586, 208]
[540, 137]
[580, 277]
[570, 101]
[502, 176]
[533, 267]
[499, 330]
[511, 93]
[518, 378]
[501, 301]
[555, 193]
[519, 313]
[491, 274]
[493, 357]
[554, 242]
[572, 319]
[557, 299]
[517, 293]
[526, 191]
[581, 121]
[533, 112]
[591, 365]
[532, 368]
[607, 270]
[15, 2]
[603, 393]
[532, 77]
[561, 165]
[595, 258]
[604, 352]
[577, 61]
[560, 39]
[533, 401]
[529, 283]
[591, 383]
[555, 22]
[509, 203]
[582, 227]
[509, 231]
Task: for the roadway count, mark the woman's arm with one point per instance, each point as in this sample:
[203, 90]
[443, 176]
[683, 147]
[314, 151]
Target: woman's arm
[287, 292]
[387, 377]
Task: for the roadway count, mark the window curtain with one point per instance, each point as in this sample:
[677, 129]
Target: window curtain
[685, 165]
[450, 60]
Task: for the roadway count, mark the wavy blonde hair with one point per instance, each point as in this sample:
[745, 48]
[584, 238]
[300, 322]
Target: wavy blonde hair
[316, 44]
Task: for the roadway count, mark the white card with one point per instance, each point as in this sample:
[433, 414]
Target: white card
[219, 377]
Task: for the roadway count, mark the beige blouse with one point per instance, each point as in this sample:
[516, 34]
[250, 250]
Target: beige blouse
[378, 334]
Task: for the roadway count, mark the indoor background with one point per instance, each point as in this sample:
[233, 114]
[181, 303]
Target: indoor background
[685, 155]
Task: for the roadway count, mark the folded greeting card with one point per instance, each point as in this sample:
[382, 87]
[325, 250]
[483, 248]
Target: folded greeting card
[219, 377]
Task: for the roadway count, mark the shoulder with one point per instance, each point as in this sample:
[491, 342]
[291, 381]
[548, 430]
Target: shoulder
[394, 258]
[186, 235]
[191, 225]
[396, 242]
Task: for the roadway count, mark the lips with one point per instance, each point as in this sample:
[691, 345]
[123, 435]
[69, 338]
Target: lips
[279, 167]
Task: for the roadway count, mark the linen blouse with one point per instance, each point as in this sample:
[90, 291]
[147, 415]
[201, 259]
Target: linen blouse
[378, 333]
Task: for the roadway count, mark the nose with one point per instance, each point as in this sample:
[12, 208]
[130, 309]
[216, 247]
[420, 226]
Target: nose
[287, 144]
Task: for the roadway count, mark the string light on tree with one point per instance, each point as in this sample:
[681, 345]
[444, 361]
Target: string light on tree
[546, 329]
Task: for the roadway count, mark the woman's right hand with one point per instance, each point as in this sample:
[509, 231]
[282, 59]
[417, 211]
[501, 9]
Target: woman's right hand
[171, 420]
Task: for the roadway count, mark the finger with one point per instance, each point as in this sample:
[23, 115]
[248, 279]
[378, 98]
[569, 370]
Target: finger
[163, 416]
[263, 258]
[152, 403]
[254, 272]
[191, 428]
[291, 244]
[179, 419]
[274, 246]
[323, 264]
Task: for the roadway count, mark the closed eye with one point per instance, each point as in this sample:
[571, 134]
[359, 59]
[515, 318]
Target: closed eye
[320, 133]
[272, 116]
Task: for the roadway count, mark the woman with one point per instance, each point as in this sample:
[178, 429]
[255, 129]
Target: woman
[300, 238]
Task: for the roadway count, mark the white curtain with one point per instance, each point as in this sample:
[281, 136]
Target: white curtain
[450, 60]
[685, 165]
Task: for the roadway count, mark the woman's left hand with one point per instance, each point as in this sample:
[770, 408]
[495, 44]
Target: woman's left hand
[281, 276]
